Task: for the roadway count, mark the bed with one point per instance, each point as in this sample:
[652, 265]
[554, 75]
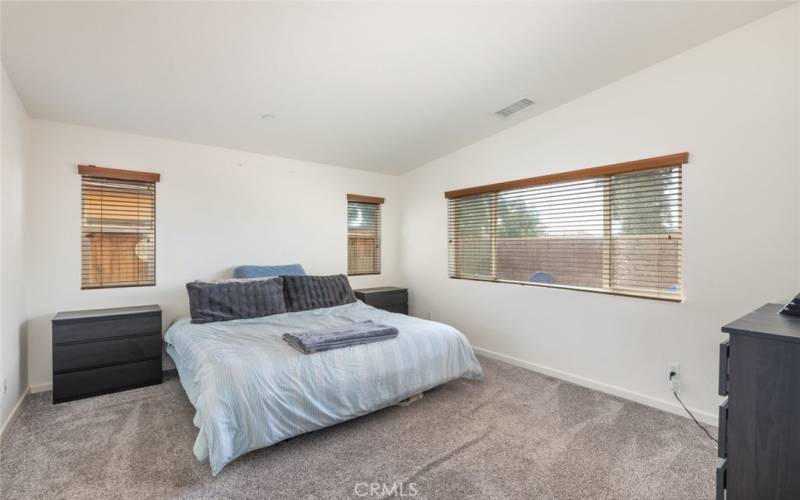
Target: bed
[250, 389]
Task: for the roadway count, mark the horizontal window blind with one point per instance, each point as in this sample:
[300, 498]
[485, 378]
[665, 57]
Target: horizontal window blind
[117, 232]
[616, 233]
[363, 235]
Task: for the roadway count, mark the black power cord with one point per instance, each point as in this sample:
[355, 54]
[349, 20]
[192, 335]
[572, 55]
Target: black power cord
[672, 374]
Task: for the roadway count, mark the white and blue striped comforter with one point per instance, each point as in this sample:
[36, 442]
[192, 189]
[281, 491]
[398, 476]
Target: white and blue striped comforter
[251, 389]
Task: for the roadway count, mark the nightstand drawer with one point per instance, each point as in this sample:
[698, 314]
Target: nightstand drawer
[79, 356]
[387, 298]
[67, 386]
[395, 308]
[99, 329]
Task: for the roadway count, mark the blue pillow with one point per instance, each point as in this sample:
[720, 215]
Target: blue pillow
[267, 271]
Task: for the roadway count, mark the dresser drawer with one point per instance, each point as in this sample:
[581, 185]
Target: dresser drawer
[73, 385]
[79, 356]
[722, 437]
[724, 355]
[722, 478]
[100, 329]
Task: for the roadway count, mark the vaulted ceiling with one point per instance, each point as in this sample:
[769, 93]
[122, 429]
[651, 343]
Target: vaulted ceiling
[385, 87]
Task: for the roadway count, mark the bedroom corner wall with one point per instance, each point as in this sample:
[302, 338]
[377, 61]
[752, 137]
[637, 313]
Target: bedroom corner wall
[13, 343]
[732, 103]
[215, 209]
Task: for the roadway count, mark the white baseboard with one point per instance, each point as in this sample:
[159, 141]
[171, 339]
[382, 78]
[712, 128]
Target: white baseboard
[668, 406]
[35, 388]
[12, 417]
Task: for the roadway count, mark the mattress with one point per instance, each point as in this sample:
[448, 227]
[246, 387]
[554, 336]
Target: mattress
[250, 389]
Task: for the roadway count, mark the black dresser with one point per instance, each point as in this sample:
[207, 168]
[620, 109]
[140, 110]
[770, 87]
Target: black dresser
[759, 422]
[105, 350]
[388, 298]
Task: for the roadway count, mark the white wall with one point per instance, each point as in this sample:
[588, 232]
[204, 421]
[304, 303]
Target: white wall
[13, 345]
[215, 209]
[733, 104]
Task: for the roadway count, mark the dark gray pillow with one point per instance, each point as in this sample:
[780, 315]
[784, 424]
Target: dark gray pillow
[302, 293]
[235, 300]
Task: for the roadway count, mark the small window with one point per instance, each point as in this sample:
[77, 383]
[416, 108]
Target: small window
[363, 234]
[613, 229]
[118, 228]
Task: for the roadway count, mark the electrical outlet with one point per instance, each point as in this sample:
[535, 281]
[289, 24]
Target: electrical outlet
[674, 377]
[429, 315]
[5, 386]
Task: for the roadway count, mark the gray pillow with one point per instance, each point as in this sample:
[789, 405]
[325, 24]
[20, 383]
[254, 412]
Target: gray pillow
[235, 300]
[302, 293]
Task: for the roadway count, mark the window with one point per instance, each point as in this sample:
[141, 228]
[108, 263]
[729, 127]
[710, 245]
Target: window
[612, 229]
[363, 234]
[118, 232]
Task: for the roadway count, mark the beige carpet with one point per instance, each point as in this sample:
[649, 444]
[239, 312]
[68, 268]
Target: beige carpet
[516, 434]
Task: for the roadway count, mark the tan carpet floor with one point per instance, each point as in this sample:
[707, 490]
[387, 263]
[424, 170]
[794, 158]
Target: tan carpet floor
[516, 434]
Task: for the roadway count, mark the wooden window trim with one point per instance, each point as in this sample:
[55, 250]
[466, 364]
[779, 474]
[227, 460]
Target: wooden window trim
[115, 173]
[672, 160]
[358, 198]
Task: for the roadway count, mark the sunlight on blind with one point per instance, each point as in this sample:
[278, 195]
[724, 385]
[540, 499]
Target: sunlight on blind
[619, 233]
[117, 233]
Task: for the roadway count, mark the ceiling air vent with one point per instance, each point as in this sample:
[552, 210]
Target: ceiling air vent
[510, 110]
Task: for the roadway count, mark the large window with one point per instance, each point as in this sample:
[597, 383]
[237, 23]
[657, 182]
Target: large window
[363, 234]
[613, 229]
[118, 233]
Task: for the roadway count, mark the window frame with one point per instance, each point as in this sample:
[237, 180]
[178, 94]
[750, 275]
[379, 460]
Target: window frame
[368, 200]
[112, 174]
[675, 160]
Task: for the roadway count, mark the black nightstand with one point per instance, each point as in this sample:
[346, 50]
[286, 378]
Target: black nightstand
[388, 298]
[105, 350]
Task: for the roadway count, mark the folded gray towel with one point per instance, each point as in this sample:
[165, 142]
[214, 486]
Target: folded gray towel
[339, 336]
